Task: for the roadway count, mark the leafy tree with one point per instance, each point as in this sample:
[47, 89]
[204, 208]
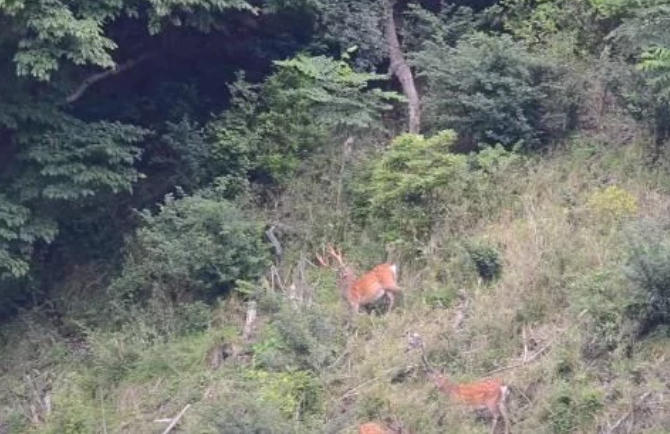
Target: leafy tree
[489, 89]
[644, 35]
[371, 24]
[69, 154]
[418, 183]
[195, 246]
[306, 102]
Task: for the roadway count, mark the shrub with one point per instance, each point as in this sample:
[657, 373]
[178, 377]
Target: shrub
[648, 270]
[309, 340]
[573, 406]
[273, 126]
[243, 414]
[490, 89]
[601, 293]
[197, 245]
[486, 258]
[292, 392]
[613, 203]
[419, 182]
[407, 179]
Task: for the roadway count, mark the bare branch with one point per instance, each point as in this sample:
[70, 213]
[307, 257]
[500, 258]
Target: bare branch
[176, 419]
[276, 245]
[250, 321]
[92, 79]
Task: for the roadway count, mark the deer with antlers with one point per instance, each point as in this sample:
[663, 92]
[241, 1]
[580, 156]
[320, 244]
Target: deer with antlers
[366, 289]
[488, 393]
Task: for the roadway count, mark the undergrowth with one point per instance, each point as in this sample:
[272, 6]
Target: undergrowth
[560, 278]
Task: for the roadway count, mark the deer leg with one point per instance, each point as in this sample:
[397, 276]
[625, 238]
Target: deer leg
[391, 297]
[494, 423]
[495, 413]
[503, 412]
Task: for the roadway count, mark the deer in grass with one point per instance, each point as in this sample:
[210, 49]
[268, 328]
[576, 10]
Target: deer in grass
[368, 288]
[395, 427]
[488, 393]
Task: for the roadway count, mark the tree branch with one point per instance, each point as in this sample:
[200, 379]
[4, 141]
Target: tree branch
[92, 79]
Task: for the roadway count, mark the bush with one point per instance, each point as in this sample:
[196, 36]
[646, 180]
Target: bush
[273, 126]
[486, 258]
[310, 340]
[600, 292]
[420, 182]
[490, 90]
[292, 392]
[406, 182]
[244, 414]
[573, 406]
[613, 203]
[197, 246]
[648, 270]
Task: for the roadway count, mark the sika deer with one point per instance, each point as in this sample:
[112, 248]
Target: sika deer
[489, 393]
[367, 289]
[395, 427]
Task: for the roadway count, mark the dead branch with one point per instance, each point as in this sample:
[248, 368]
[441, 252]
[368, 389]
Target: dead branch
[461, 309]
[176, 419]
[354, 391]
[276, 245]
[92, 79]
[629, 413]
[250, 322]
[527, 360]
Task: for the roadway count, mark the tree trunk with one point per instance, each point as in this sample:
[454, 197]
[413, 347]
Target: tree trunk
[400, 69]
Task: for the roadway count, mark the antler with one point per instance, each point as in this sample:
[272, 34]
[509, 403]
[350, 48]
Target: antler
[321, 260]
[323, 257]
[337, 254]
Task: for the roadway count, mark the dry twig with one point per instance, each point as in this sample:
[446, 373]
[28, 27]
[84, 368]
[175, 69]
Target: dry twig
[175, 420]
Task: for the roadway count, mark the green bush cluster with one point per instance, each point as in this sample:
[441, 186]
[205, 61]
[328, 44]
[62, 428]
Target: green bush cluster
[573, 405]
[648, 270]
[418, 183]
[193, 247]
[491, 90]
[486, 258]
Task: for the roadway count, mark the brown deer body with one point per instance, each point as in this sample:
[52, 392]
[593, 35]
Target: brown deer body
[489, 393]
[364, 290]
[395, 427]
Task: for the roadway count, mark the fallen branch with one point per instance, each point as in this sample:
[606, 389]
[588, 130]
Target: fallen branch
[355, 390]
[92, 79]
[628, 414]
[527, 360]
[176, 419]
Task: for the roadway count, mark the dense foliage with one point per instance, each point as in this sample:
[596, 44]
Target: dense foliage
[168, 168]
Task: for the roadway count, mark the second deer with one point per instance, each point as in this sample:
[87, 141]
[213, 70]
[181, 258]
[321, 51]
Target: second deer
[488, 393]
[368, 288]
[395, 427]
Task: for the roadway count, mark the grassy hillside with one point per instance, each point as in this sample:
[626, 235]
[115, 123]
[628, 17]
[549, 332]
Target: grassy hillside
[557, 273]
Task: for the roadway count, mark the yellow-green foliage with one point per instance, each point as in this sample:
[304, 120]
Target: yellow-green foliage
[290, 392]
[417, 182]
[613, 203]
[74, 408]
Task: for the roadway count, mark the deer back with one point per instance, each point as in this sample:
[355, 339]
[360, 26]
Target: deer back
[372, 285]
[479, 393]
[371, 428]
